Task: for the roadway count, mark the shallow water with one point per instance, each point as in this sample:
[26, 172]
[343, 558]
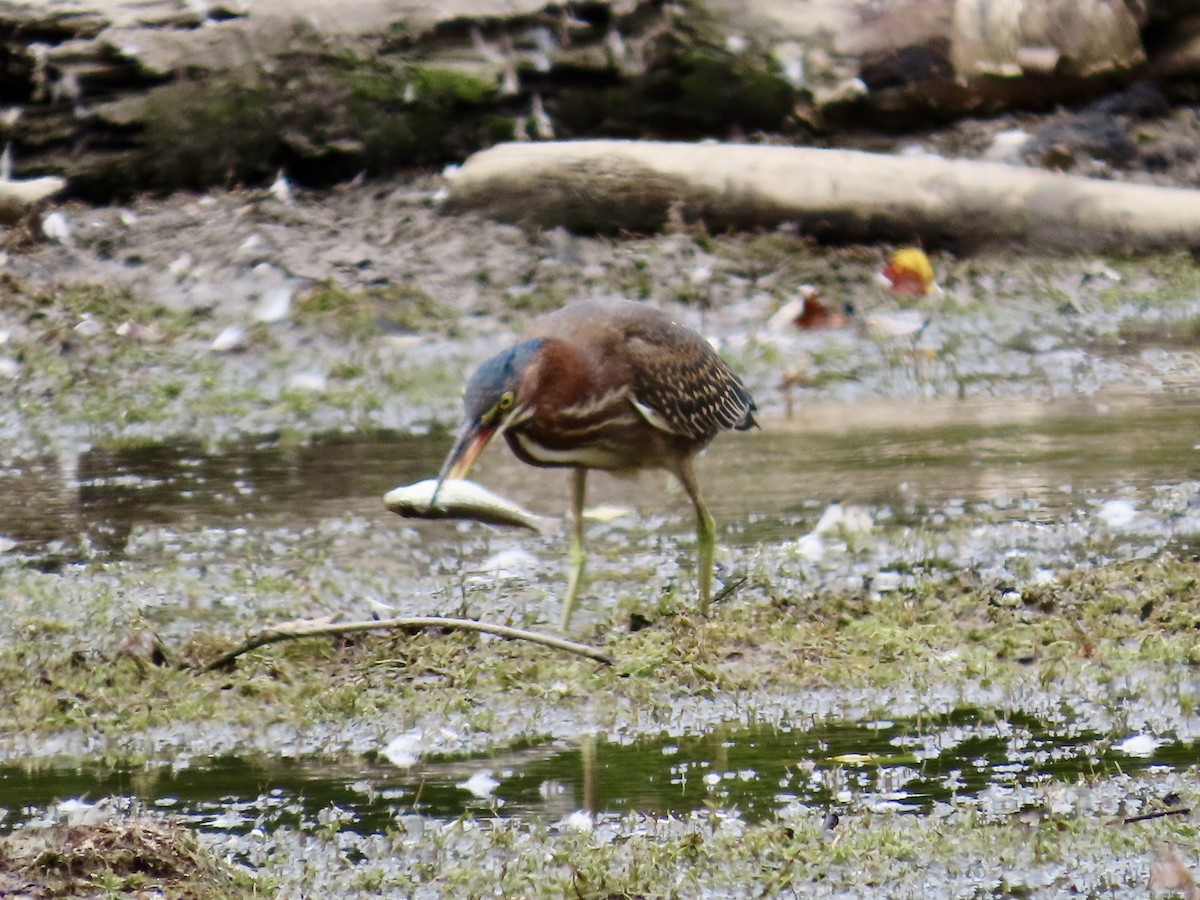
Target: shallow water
[987, 465]
[906, 765]
[1022, 460]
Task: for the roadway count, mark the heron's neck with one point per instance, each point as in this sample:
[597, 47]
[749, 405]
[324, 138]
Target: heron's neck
[568, 374]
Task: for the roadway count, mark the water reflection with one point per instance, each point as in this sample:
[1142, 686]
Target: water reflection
[905, 765]
[1031, 460]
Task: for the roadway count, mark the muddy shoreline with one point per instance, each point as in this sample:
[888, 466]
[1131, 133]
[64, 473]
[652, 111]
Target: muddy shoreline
[355, 315]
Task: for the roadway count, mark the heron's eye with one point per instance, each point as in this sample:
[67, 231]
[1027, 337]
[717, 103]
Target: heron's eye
[504, 404]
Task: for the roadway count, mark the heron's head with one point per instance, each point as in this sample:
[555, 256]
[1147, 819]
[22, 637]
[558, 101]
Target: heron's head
[496, 398]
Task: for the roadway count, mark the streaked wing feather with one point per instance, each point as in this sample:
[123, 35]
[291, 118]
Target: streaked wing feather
[686, 384]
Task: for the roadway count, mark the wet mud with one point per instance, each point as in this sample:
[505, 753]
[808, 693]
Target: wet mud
[954, 651]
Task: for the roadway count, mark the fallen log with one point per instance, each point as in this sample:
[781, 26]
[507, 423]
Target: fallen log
[121, 96]
[837, 195]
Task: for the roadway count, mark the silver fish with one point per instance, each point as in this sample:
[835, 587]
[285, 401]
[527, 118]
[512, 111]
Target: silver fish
[459, 499]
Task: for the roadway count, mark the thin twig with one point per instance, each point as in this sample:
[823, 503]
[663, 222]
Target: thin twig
[319, 627]
[730, 586]
[1145, 817]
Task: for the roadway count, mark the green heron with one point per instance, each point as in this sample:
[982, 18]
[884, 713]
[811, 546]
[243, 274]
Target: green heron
[605, 384]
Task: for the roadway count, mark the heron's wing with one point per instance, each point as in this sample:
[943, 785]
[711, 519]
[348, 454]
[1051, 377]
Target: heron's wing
[681, 385]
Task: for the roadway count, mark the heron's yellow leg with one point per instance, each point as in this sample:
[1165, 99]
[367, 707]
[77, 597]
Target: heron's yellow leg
[575, 553]
[706, 530]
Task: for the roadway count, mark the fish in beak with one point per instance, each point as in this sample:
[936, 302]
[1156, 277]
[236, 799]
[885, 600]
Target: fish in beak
[471, 440]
